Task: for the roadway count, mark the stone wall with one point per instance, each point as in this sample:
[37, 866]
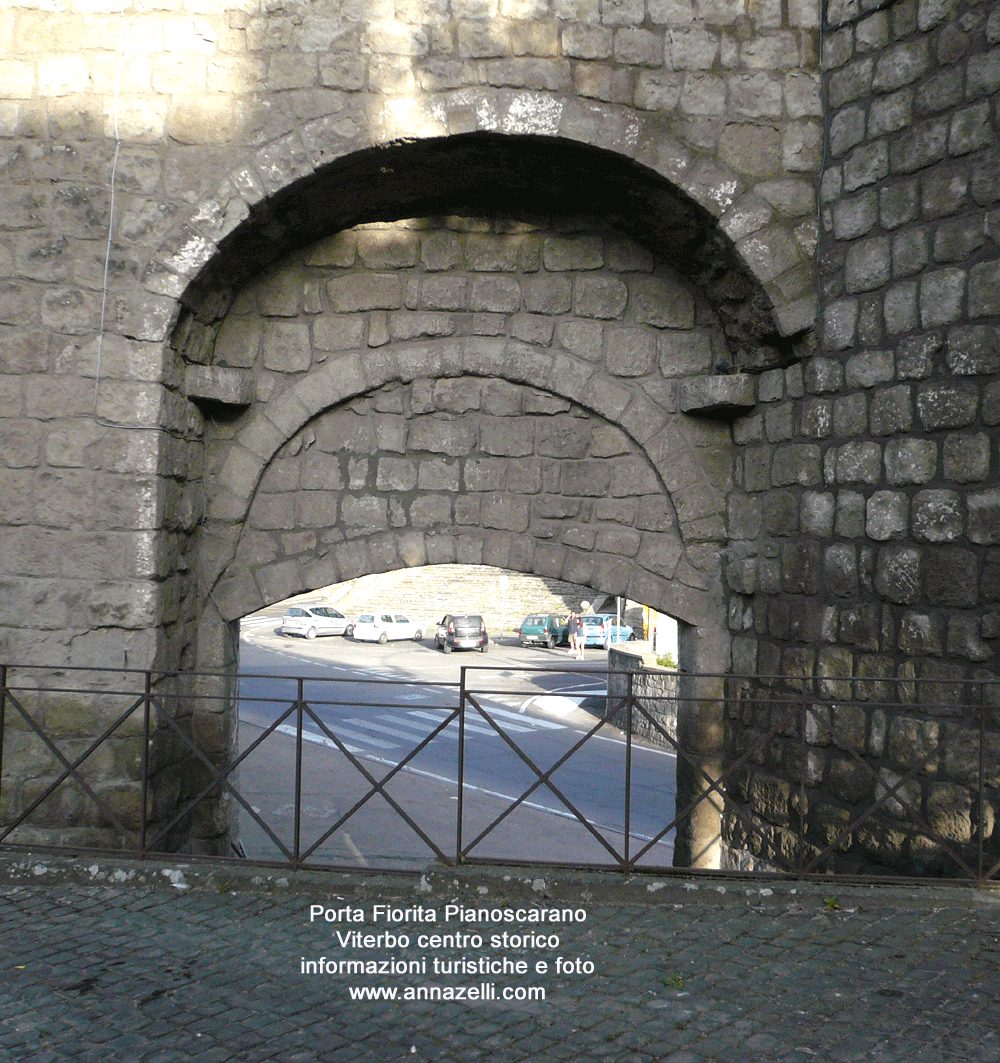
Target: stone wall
[201, 256]
[654, 690]
[431, 591]
[865, 530]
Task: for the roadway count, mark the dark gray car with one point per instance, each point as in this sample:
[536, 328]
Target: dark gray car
[466, 632]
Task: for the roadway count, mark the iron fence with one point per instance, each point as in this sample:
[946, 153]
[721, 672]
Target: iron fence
[766, 774]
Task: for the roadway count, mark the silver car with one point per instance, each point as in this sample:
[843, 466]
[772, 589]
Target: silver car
[312, 620]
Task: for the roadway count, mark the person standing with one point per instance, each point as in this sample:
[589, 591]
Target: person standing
[573, 624]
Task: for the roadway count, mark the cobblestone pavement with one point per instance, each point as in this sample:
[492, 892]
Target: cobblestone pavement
[117, 961]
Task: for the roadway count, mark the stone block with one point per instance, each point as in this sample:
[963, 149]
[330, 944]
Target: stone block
[943, 193]
[899, 309]
[546, 294]
[952, 577]
[563, 253]
[505, 437]
[984, 517]
[364, 291]
[796, 463]
[630, 351]
[231, 387]
[966, 457]
[817, 418]
[850, 415]
[983, 74]
[439, 436]
[859, 462]
[898, 203]
[920, 146]
[971, 129]
[335, 332]
[937, 516]
[711, 394]
[914, 357]
[396, 474]
[910, 461]
[901, 65]
[855, 216]
[499, 295]
[868, 265]
[850, 521]
[947, 405]
[684, 353]
[941, 296]
[599, 297]
[973, 350]
[984, 291]
[887, 515]
[991, 403]
[891, 411]
[840, 321]
[898, 574]
[661, 302]
[958, 240]
[866, 165]
[869, 368]
[411, 325]
[889, 114]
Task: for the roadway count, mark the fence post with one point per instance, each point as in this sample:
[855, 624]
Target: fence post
[628, 773]
[3, 710]
[146, 706]
[982, 778]
[461, 766]
[300, 695]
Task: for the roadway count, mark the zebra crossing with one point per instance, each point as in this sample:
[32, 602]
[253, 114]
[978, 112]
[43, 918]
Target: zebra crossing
[399, 731]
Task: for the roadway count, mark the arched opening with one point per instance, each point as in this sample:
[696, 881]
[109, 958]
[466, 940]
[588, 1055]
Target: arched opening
[495, 175]
[481, 386]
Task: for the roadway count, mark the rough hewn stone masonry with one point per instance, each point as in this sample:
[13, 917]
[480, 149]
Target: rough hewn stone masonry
[296, 292]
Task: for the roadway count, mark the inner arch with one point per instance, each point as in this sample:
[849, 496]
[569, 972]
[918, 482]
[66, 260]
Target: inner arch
[495, 174]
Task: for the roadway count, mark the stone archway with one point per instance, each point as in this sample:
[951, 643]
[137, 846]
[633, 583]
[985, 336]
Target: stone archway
[421, 329]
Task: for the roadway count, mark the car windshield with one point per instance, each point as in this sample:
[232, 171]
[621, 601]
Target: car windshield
[533, 621]
[593, 621]
[295, 612]
[366, 619]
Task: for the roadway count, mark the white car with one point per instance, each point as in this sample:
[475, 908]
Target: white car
[386, 627]
[312, 620]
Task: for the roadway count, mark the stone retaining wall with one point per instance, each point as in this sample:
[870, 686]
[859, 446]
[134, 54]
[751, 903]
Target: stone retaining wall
[654, 689]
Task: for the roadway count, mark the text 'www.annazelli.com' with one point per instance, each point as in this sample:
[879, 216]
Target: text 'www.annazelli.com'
[482, 991]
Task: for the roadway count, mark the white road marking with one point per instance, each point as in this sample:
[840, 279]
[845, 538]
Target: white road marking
[408, 735]
[343, 733]
[543, 724]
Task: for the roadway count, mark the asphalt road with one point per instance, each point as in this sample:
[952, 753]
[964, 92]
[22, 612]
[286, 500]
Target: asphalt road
[381, 702]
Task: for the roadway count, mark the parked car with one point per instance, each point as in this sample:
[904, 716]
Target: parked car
[543, 630]
[312, 620]
[386, 627]
[602, 630]
[466, 632]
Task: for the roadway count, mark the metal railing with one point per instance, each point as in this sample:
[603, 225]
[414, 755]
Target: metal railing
[868, 778]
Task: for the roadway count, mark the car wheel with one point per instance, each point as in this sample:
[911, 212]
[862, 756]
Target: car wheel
[348, 631]
[417, 635]
[631, 636]
[383, 639]
[550, 642]
[311, 633]
[485, 648]
[447, 647]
